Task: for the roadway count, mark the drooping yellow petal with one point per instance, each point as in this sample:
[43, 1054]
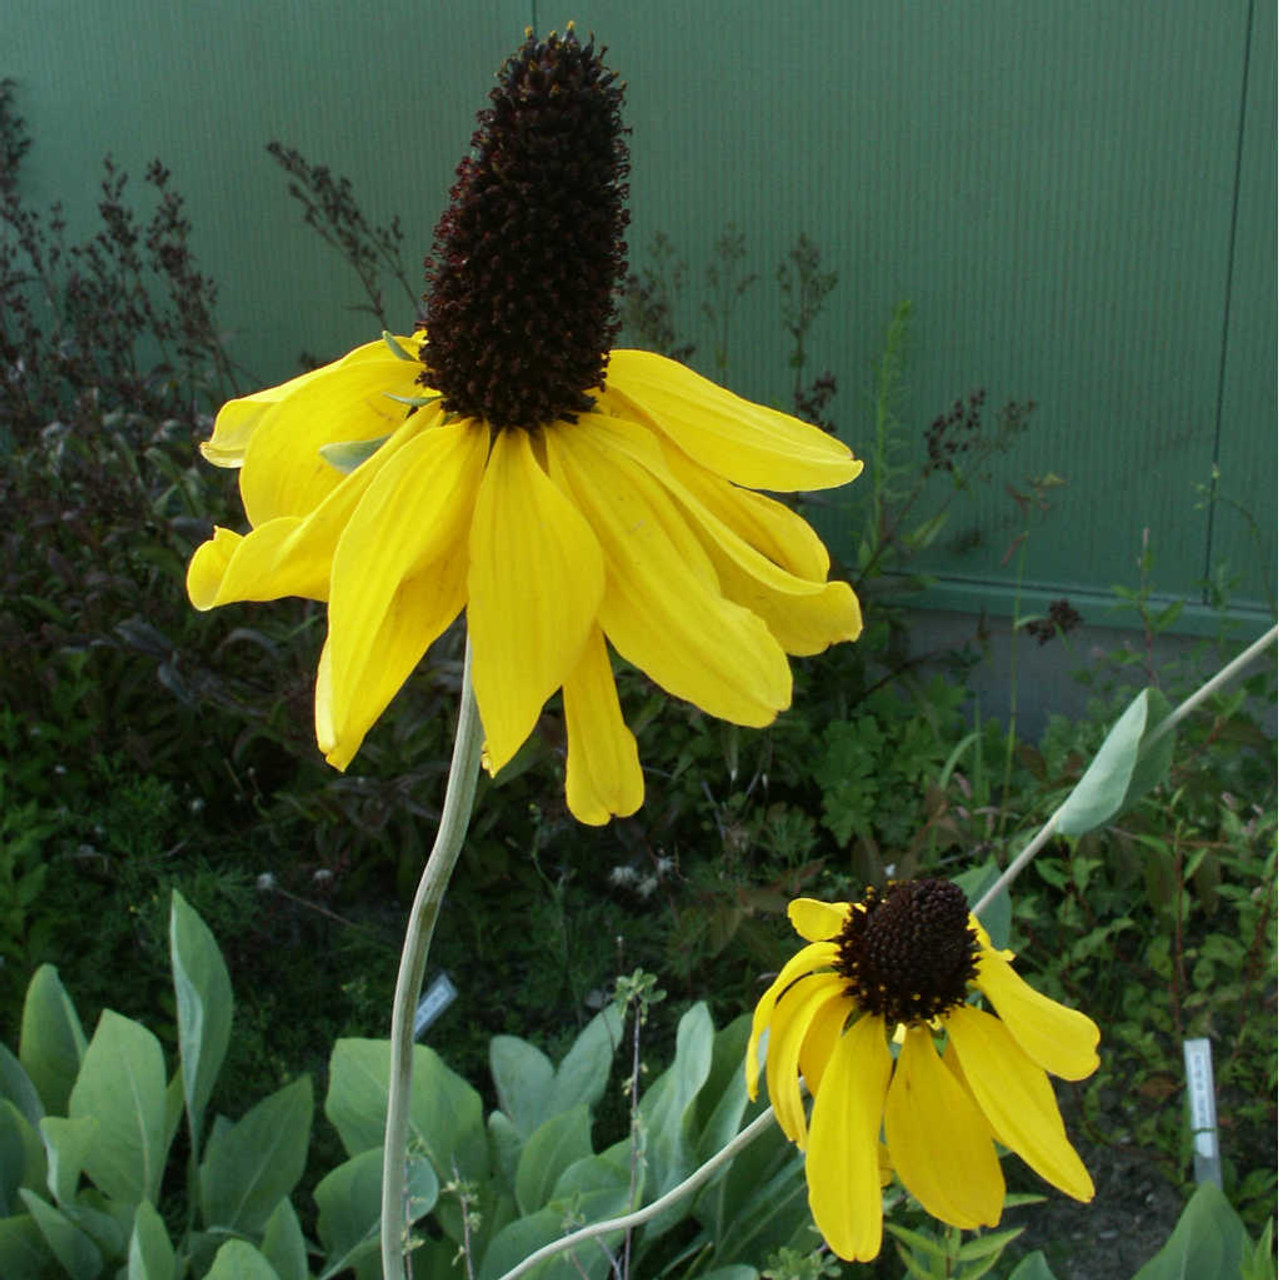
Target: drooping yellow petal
[741, 441]
[602, 772]
[662, 607]
[843, 1163]
[399, 575]
[284, 473]
[1063, 1041]
[938, 1142]
[290, 555]
[816, 921]
[788, 1028]
[534, 591]
[1016, 1097]
[808, 959]
[824, 1034]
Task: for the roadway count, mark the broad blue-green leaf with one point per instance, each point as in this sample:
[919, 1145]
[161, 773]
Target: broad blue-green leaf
[22, 1160]
[583, 1075]
[1114, 779]
[564, 1139]
[79, 1256]
[445, 1112]
[518, 1239]
[1032, 1267]
[203, 989]
[723, 1098]
[283, 1244]
[121, 1085]
[67, 1143]
[505, 1146]
[997, 915]
[667, 1110]
[597, 1188]
[237, 1260]
[108, 1223]
[1154, 761]
[53, 1044]
[350, 1198]
[1209, 1240]
[23, 1252]
[253, 1165]
[16, 1086]
[522, 1075]
[738, 1271]
[150, 1253]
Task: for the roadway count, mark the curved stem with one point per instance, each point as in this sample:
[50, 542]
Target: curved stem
[454, 815]
[629, 1220]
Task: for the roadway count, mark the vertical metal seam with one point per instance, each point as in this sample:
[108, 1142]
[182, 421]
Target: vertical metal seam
[1226, 301]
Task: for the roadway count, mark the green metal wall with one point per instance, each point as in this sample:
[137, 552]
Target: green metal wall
[1077, 196]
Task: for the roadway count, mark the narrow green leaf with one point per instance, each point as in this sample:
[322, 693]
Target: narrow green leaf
[988, 1243]
[347, 455]
[151, 1255]
[283, 1244]
[53, 1044]
[203, 990]
[238, 1260]
[258, 1161]
[67, 1143]
[522, 1075]
[79, 1256]
[564, 1139]
[122, 1086]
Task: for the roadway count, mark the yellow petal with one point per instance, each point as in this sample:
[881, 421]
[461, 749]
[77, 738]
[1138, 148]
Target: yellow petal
[290, 555]
[602, 772]
[843, 1163]
[824, 1034]
[741, 441]
[662, 607]
[1061, 1040]
[536, 581]
[816, 921]
[938, 1141]
[399, 574]
[284, 473]
[806, 960]
[788, 1028]
[1016, 1097]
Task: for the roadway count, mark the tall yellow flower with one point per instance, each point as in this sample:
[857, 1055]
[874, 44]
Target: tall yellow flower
[900, 966]
[513, 465]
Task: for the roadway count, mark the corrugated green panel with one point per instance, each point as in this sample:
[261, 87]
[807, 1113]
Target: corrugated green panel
[386, 94]
[1247, 446]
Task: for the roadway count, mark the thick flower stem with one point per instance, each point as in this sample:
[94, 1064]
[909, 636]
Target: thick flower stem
[456, 813]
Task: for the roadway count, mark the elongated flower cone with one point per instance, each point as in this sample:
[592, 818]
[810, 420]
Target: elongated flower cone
[900, 967]
[507, 462]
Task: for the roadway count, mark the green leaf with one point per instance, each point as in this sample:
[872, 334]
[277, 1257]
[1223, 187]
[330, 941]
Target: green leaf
[596, 1187]
[1209, 1241]
[997, 915]
[79, 1256]
[564, 1139]
[738, 1271]
[150, 1253]
[1114, 779]
[23, 1252]
[16, 1086]
[347, 455]
[1154, 761]
[518, 1239]
[237, 1260]
[249, 1168]
[1032, 1267]
[445, 1112]
[22, 1159]
[505, 1146]
[203, 990]
[723, 1097]
[583, 1075]
[988, 1243]
[67, 1143]
[121, 1084]
[53, 1044]
[283, 1244]
[522, 1075]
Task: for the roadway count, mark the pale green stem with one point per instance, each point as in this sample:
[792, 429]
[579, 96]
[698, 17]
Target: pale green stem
[629, 1220]
[454, 815]
[1167, 725]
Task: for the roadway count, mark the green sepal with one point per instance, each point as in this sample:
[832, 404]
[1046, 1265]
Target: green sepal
[347, 455]
[396, 349]
[414, 402]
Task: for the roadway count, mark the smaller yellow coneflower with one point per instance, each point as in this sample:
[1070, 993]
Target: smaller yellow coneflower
[899, 966]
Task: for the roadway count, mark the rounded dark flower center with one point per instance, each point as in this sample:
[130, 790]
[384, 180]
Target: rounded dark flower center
[908, 952]
[520, 305]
